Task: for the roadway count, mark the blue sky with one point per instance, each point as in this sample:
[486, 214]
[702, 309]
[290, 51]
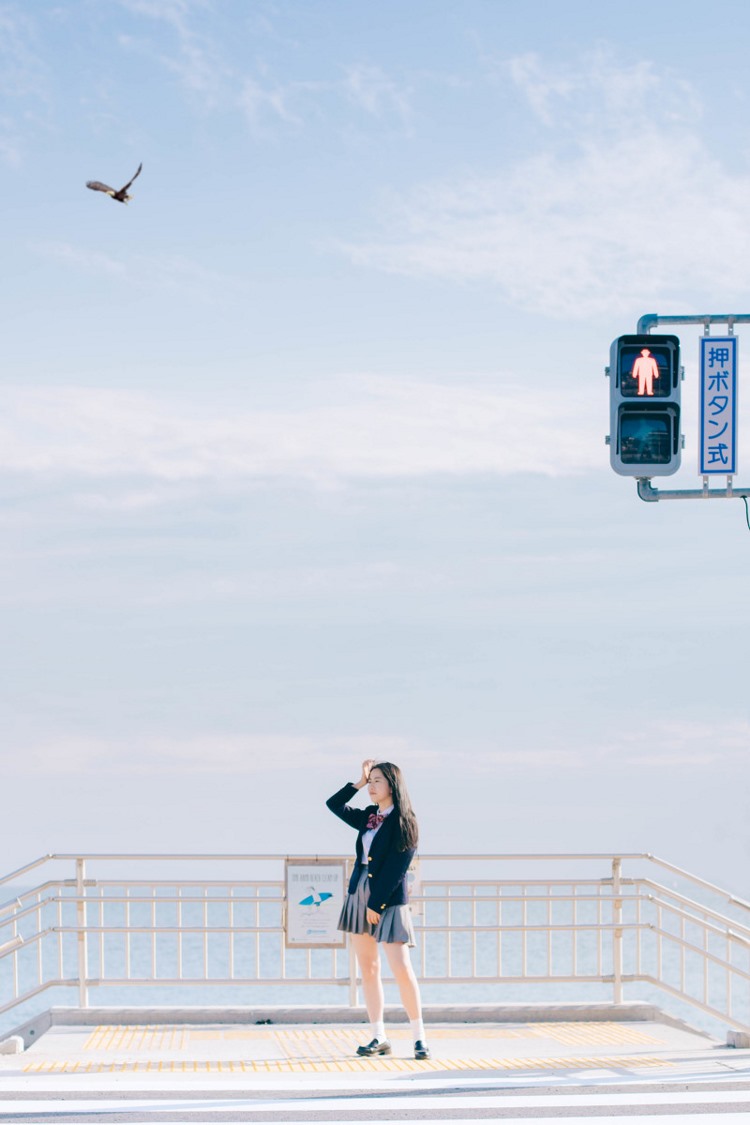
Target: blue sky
[302, 452]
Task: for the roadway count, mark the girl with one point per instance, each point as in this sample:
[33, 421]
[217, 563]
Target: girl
[376, 907]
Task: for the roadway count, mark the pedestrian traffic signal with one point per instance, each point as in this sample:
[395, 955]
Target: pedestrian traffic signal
[644, 396]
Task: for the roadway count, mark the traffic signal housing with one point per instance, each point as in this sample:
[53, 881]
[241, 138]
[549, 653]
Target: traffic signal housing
[644, 398]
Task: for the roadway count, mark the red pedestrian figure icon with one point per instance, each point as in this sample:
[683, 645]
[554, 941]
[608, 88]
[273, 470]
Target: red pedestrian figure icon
[645, 370]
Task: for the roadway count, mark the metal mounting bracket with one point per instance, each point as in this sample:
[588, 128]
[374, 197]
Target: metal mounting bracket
[651, 320]
[650, 494]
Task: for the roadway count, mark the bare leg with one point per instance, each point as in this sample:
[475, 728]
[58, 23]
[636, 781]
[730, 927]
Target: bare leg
[368, 959]
[401, 967]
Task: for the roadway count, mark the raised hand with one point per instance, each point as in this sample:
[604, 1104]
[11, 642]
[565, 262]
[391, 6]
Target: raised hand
[366, 767]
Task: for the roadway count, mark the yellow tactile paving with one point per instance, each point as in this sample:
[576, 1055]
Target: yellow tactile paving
[323, 1040]
[331, 1049]
[593, 1033]
[291, 1066]
[137, 1038]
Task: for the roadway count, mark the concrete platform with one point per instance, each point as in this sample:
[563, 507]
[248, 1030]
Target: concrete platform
[202, 1069]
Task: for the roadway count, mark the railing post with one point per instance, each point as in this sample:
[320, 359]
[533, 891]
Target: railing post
[83, 992]
[617, 931]
[353, 990]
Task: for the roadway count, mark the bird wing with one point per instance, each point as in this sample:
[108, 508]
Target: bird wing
[135, 177]
[96, 185]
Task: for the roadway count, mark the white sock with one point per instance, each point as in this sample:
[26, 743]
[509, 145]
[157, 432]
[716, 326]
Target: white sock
[417, 1029]
[378, 1031]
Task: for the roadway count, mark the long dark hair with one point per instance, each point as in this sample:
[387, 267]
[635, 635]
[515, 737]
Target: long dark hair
[408, 833]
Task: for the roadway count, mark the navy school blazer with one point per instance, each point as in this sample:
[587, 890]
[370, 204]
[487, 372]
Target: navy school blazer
[387, 865]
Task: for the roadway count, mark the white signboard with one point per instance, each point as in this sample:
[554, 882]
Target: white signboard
[718, 420]
[315, 892]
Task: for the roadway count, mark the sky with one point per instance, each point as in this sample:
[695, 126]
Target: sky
[302, 452]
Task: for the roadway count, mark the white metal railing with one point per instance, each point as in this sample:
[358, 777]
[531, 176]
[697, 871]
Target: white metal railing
[487, 923]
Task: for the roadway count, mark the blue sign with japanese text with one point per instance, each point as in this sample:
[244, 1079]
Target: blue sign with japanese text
[718, 416]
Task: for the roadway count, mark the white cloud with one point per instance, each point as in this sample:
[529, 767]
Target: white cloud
[23, 81]
[258, 102]
[599, 93]
[621, 207]
[157, 272]
[92, 261]
[205, 753]
[658, 745]
[377, 93]
[680, 743]
[10, 148]
[377, 429]
[196, 61]
[655, 744]
[266, 102]
[21, 70]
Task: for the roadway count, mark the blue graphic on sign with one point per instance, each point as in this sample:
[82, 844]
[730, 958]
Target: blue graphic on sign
[315, 898]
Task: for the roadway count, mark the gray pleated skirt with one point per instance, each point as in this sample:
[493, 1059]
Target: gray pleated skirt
[395, 923]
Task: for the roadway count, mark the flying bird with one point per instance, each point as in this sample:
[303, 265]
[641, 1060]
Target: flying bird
[122, 195]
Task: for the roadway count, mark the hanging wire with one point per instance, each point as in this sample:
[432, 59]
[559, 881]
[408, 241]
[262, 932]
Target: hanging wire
[747, 512]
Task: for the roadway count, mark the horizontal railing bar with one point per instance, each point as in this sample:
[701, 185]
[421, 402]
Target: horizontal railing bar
[705, 910]
[117, 982]
[31, 940]
[235, 900]
[432, 900]
[191, 982]
[18, 1000]
[431, 930]
[55, 884]
[704, 954]
[687, 998]
[424, 883]
[439, 857]
[507, 882]
[184, 882]
[707, 925]
[165, 900]
[568, 883]
[23, 870]
[511, 979]
[581, 927]
[696, 879]
[240, 856]
[156, 930]
[503, 900]
[33, 908]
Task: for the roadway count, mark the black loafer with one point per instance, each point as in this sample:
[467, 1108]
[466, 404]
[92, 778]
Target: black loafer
[421, 1051]
[376, 1047]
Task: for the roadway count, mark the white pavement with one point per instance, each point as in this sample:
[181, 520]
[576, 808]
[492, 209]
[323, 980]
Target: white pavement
[202, 1072]
[698, 1106]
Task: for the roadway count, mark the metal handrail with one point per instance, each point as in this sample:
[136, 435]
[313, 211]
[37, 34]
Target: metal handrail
[706, 911]
[609, 926]
[699, 882]
[26, 868]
